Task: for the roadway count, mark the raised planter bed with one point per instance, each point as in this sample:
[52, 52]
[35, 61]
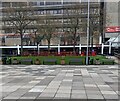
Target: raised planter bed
[60, 60]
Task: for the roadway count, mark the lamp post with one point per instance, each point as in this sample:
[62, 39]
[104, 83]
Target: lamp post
[88, 18]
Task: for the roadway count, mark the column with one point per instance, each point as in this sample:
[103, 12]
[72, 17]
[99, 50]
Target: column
[110, 45]
[102, 48]
[58, 48]
[18, 50]
[79, 48]
[38, 48]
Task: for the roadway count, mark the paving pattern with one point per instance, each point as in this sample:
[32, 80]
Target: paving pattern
[59, 82]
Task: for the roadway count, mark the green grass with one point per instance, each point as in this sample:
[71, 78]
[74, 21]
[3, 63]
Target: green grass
[59, 58]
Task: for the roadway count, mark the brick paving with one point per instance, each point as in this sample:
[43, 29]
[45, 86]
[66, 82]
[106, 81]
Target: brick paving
[59, 82]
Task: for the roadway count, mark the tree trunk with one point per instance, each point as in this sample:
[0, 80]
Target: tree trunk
[74, 52]
[37, 48]
[21, 43]
[74, 47]
[92, 42]
[48, 46]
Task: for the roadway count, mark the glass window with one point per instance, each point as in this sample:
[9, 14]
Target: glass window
[0, 4]
[33, 3]
[5, 4]
[42, 12]
[49, 3]
[65, 2]
[95, 11]
[18, 4]
[84, 0]
[8, 31]
[57, 3]
[59, 12]
[41, 3]
[55, 12]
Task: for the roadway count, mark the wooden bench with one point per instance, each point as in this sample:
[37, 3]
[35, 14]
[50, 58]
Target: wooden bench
[26, 61]
[49, 61]
[75, 61]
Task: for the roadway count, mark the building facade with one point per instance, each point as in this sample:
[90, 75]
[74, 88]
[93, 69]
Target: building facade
[68, 18]
[113, 23]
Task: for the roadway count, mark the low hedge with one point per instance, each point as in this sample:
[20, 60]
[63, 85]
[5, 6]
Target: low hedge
[40, 59]
[107, 61]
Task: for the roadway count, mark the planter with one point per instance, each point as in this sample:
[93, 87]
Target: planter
[62, 62]
[15, 62]
[97, 62]
[37, 62]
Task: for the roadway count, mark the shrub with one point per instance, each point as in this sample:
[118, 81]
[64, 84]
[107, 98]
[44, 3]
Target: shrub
[107, 62]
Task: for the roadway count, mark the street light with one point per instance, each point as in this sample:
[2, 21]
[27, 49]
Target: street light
[88, 18]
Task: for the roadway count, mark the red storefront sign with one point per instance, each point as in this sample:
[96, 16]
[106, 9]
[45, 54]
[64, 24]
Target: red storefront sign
[113, 29]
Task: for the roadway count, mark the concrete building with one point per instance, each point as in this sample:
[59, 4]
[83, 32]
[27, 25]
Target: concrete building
[58, 12]
[113, 22]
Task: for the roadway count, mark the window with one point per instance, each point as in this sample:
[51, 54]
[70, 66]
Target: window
[67, 2]
[57, 3]
[41, 12]
[8, 31]
[84, 0]
[55, 12]
[58, 11]
[18, 4]
[35, 12]
[84, 11]
[41, 3]
[95, 11]
[0, 4]
[5, 4]
[49, 3]
[51, 12]
[33, 3]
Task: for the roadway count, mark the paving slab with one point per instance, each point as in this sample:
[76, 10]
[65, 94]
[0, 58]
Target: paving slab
[23, 82]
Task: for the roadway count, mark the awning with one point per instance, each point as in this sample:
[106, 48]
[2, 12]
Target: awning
[109, 35]
[115, 41]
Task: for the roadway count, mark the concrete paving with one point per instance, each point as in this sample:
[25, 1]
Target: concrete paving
[35, 82]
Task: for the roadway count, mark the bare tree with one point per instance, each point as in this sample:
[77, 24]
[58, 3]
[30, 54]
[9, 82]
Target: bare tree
[39, 36]
[76, 22]
[47, 28]
[19, 18]
[73, 23]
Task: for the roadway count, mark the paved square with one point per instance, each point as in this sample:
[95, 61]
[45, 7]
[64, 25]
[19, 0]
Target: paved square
[59, 82]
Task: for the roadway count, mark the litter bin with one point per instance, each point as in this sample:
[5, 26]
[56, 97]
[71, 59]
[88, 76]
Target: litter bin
[4, 58]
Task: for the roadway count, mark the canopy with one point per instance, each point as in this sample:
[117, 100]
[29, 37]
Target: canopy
[115, 41]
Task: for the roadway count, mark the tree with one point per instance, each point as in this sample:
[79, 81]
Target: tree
[47, 27]
[39, 37]
[93, 30]
[19, 18]
[73, 23]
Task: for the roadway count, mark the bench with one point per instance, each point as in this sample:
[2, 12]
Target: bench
[26, 61]
[49, 61]
[75, 61]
